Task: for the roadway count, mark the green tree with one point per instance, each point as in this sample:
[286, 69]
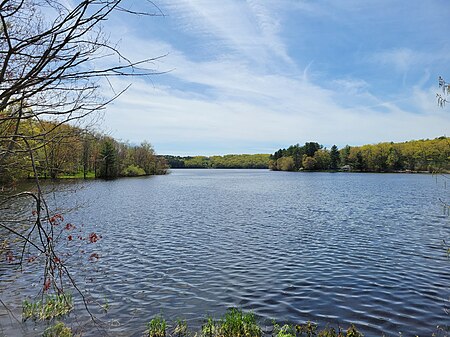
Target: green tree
[394, 159]
[344, 154]
[311, 148]
[286, 164]
[108, 160]
[145, 157]
[334, 158]
[323, 159]
[53, 62]
[309, 163]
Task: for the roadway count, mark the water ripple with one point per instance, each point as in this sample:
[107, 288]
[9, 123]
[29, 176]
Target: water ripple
[331, 248]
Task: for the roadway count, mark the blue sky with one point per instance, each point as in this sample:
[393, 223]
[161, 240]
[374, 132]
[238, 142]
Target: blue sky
[253, 76]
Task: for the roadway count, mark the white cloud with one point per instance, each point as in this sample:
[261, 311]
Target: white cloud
[233, 97]
[401, 59]
[405, 59]
[249, 29]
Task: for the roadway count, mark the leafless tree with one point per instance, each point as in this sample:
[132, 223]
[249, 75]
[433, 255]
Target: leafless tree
[53, 60]
[442, 98]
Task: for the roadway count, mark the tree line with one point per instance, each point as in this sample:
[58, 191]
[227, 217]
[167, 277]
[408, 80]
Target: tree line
[55, 60]
[431, 155]
[230, 161]
[62, 150]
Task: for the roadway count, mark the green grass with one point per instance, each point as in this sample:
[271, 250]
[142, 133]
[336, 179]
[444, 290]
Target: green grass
[79, 175]
[51, 307]
[157, 327]
[236, 323]
[209, 329]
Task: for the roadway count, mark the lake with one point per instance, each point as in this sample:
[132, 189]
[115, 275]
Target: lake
[333, 248]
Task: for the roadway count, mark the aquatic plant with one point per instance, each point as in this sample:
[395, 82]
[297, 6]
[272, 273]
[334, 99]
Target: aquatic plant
[50, 307]
[284, 331]
[353, 332]
[157, 327]
[236, 323]
[329, 332]
[309, 329]
[58, 330]
[209, 329]
[181, 329]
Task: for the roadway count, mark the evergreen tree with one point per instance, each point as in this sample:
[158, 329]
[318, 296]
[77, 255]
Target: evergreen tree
[334, 156]
[108, 158]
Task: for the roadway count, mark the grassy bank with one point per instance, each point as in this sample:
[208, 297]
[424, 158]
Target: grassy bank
[234, 323]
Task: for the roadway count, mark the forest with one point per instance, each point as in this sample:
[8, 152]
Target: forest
[66, 151]
[430, 155]
[230, 161]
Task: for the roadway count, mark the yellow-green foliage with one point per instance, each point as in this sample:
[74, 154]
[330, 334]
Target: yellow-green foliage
[58, 330]
[228, 161]
[157, 327]
[62, 150]
[416, 155]
[234, 323]
[310, 329]
[133, 171]
[431, 155]
[51, 307]
[285, 164]
[209, 329]
[284, 331]
[181, 329]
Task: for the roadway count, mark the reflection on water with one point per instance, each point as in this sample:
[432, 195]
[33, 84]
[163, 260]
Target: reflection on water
[331, 248]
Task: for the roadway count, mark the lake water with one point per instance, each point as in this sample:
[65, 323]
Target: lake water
[333, 248]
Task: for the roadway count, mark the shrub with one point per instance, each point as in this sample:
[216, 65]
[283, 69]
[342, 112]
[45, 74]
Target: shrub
[133, 171]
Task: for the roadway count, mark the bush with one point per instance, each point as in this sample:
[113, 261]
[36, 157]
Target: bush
[133, 171]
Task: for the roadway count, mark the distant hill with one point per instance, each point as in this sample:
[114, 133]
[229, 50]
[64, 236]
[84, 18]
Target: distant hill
[229, 161]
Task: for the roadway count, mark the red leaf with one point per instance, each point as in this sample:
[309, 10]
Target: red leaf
[47, 284]
[94, 257]
[69, 226]
[9, 256]
[93, 238]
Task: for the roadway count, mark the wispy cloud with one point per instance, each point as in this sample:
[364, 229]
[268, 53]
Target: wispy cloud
[401, 59]
[249, 86]
[247, 28]
[404, 59]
